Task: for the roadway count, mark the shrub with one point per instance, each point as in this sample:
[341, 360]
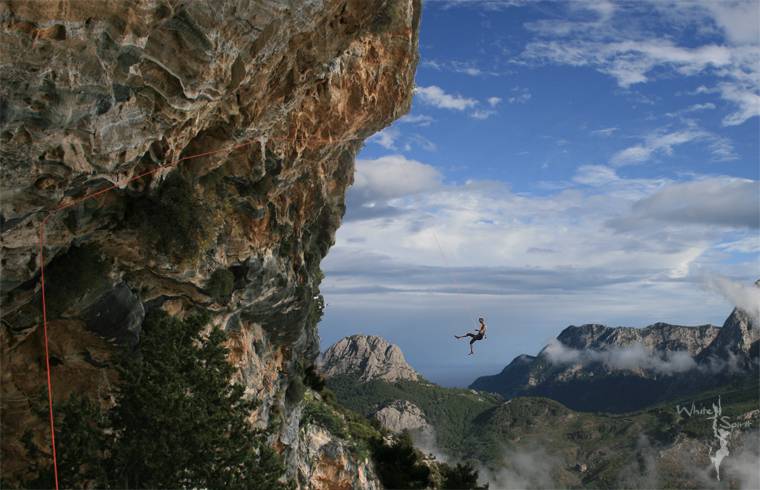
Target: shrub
[461, 476]
[296, 390]
[220, 285]
[400, 465]
[319, 413]
[313, 379]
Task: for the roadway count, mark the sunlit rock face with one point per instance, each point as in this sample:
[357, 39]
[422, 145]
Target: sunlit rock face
[368, 357]
[94, 93]
[400, 415]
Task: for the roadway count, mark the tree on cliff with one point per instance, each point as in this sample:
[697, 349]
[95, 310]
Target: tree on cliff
[179, 421]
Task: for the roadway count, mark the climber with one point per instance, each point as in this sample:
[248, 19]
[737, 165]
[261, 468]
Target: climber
[479, 334]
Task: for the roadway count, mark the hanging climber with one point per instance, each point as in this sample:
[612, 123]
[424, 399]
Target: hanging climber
[479, 334]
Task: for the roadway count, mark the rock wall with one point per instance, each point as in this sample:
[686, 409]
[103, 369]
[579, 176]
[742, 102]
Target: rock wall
[94, 93]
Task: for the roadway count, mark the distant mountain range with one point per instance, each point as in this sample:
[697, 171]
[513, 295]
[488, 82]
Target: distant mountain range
[598, 368]
[529, 433]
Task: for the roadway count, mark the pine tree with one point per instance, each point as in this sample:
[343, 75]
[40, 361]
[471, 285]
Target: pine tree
[179, 421]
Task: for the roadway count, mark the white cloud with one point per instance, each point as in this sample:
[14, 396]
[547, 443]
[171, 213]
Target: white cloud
[658, 143]
[716, 201]
[520, 96]
[632, 357]
[739, 20]
[604, 131]
[749, 244]
[416, 119]
[595, 175]
[663, 143]
[386, 138]
[435, 96]
[494, 101]
[634, 53]
[482, 113]
[743, 296]
[392, 176]
[465, 68]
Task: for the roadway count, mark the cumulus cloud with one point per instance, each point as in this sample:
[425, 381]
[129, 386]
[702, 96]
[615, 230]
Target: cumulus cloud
[494, 101]
[726, 202]
[436, 97]
[391, 177]
[630, 358]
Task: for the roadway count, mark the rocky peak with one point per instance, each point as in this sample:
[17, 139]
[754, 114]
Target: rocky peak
[368, 357]
[736, 337]
[658, 336]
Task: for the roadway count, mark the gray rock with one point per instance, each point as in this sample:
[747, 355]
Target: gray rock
[368, 357]
[401, 415]
[117, 315]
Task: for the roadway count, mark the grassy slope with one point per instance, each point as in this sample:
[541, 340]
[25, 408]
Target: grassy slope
[482, 426]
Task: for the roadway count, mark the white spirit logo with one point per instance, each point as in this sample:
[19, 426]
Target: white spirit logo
[721, 426]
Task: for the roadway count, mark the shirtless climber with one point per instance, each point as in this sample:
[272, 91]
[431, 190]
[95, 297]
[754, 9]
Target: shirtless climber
[479, 335]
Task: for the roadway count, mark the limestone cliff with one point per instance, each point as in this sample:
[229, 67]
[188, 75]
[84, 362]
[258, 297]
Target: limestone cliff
[278, 95]
[368, 357]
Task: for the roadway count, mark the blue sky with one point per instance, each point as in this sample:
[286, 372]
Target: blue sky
[563, 163]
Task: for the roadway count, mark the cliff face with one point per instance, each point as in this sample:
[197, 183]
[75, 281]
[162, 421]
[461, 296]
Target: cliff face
[94, 93]
[368, 357]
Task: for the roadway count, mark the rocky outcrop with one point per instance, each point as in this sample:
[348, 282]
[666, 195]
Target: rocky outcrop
[400, 415]
[325, 462]
[277, 96]
[736, 346]
[368, 357]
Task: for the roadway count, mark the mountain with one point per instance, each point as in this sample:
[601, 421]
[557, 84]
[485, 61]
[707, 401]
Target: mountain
[536, 442]
[642, 366]
[368, 357]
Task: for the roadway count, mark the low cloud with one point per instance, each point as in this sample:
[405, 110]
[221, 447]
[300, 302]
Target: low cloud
[523, 468]
[629, 358]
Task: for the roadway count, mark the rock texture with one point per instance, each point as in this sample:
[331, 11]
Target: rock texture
[368, 357]
[659, 336]
[736, 344]
[400, 415]
[325, 462]
[642, 366]
[94, 93]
